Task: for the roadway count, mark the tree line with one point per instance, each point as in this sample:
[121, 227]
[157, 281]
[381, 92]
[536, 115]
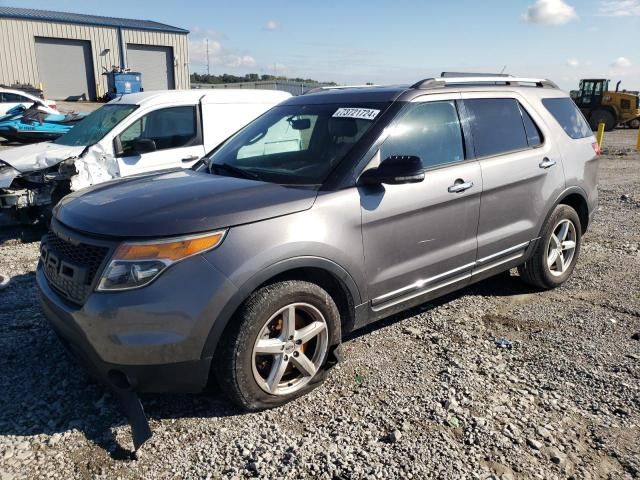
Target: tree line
[250, 77]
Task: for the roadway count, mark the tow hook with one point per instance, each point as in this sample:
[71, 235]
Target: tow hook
[133, 410]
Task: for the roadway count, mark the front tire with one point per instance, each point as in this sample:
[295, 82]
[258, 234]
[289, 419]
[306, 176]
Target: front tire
[556, 252]
[278, 346]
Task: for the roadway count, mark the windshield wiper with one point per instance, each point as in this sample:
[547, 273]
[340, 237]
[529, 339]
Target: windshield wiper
[234, 170]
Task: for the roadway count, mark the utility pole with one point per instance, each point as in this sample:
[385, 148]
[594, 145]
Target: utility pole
[208, 63]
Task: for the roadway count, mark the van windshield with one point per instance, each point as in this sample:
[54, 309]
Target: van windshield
[295, 144]
[95, 126]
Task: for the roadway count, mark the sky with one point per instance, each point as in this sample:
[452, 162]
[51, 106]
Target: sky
[396, 41]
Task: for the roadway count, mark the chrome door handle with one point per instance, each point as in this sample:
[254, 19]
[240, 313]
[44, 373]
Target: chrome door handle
[190, 158]
[460, 186]
[546, 163]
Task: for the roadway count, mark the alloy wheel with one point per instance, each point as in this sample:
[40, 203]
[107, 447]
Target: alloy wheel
[290, 349]
[561, 247]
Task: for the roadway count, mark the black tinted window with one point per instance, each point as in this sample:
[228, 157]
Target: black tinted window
[534, 137]
[430, 131]
[568, 116]
[168, 128]
[14, 98]
[496, 125]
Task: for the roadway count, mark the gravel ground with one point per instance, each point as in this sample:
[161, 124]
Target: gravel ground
[426, 394]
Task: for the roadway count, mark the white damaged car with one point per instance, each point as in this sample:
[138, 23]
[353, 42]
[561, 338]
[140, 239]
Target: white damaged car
[131, 135]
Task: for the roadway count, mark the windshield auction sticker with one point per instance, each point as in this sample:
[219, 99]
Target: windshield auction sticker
[361, 113]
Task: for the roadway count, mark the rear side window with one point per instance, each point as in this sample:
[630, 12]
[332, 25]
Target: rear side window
[567, 114]
[430, 131]
[496, 125]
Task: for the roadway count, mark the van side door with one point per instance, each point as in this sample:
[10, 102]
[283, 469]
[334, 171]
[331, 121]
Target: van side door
[522, 175]
[169, 137]
[420, 238]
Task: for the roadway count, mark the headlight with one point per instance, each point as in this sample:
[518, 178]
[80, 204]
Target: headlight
[135, 264]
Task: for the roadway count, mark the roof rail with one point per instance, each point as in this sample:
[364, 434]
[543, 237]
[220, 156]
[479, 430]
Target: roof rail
[338, 87]
[428, 83]
[470, 74]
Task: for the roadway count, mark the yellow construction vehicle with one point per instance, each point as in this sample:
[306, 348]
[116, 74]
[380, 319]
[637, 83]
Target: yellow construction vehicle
[613, 108]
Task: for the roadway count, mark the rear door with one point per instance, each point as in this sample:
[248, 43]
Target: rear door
[521, 174]
[176, 136]
[421, 237]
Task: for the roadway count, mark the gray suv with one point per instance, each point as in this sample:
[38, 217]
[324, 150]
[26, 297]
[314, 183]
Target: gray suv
[331, 211]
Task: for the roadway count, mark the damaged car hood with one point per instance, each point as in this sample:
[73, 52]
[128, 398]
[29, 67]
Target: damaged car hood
[29, 158]
[177, 203]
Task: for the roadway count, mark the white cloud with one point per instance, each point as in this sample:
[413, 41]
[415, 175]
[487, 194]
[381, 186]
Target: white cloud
[621, 62]
[573, 63]
[619, 8]
[218, 54]
[272, 26]
[550, 12]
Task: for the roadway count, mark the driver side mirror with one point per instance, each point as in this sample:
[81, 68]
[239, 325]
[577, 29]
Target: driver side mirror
[144, 145]
[138, 147]
[394, 170]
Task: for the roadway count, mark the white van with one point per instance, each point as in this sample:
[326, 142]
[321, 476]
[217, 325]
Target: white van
[134, 134]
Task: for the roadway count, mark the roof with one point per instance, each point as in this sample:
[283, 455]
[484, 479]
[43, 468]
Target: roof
[370, 94]
[65, 17]
[228, 95]
[364, 94]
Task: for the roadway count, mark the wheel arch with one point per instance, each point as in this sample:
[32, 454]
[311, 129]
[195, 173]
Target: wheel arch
[323, 272]
[576, 198]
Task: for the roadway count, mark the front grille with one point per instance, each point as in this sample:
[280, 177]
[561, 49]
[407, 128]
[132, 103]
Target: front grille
[71, 268]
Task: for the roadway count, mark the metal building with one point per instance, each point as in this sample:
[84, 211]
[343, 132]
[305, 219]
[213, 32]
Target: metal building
[67, 53]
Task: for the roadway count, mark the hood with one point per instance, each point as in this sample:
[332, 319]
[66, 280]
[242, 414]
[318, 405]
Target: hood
[177, 203]
[38, 156]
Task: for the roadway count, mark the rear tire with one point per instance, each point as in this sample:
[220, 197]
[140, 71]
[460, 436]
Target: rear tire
[556, 252]
[635, 123]
[277, 348]
[602, 116]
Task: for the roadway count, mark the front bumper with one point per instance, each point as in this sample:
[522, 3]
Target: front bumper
[145, 340]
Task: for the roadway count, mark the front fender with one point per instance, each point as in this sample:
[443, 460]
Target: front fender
[261, 277]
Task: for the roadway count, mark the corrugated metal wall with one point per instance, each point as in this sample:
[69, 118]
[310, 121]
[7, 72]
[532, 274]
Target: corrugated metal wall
[18, 57]
[180, 51]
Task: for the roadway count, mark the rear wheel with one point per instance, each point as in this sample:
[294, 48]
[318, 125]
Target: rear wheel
[556, 252]
[278, 348]
[635, 123]
[602, 116]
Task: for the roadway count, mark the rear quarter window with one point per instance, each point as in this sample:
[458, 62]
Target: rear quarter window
[568, 115]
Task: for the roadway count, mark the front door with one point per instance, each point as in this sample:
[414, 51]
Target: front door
[159, 140]
[420, 238]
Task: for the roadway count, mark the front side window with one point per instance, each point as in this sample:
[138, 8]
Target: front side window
[297, 144]
[568, 115]
[168, 128]
[96, 125]
[430, 131]
[497, 126]
[14, 98]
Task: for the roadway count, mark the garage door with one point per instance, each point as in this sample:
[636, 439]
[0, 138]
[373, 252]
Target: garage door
[155, 64]
[65, 68]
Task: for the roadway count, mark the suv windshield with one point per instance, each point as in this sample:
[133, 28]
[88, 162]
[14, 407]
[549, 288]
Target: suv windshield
[97, 124]
[296, 144]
